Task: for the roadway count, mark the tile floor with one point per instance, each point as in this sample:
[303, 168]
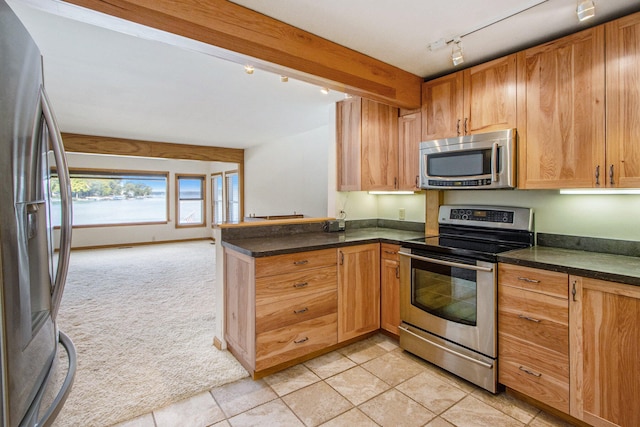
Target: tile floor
[369, 383]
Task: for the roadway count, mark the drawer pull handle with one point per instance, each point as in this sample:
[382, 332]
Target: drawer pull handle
[525, 370]
[301, 285]
[526, 279]
[531, 319]
[304, 310]
[301, 262]
[390, 252]
[305, 339]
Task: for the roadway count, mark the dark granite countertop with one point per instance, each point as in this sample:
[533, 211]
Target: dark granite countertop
[615, 268]
[278, 245]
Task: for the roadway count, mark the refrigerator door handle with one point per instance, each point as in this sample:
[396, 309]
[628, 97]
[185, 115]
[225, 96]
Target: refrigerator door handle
[65, 196]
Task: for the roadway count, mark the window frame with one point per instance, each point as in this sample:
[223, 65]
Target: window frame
[214, 201]
[203, 192]
[227, 198]
[114, 173]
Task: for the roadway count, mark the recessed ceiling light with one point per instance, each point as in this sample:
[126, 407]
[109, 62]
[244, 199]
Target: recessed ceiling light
[585, 10]
[284, 79]
[248, 69]
[325, 90]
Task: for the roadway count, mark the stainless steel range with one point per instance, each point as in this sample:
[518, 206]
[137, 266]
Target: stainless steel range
[448, 287]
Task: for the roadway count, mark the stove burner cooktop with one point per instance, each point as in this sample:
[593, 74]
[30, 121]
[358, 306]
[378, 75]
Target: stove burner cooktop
[479, 249]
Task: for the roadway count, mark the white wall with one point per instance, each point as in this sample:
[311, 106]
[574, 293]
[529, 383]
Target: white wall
[289, 176]
[605, 216]
[129, 234]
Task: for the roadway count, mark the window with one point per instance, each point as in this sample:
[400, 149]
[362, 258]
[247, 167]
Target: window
[232, 207]
[113, 197]
[190, 200]
[217, 199]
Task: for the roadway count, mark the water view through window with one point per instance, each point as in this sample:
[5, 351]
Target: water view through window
[113, 198]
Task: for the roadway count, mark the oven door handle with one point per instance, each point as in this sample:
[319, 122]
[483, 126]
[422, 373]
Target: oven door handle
[448, 263]
[448, 350]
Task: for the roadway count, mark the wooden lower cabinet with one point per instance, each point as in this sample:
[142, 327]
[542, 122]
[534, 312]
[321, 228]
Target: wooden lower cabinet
[389, 288]
[605, 350]
[358, 290]
[281, 307]
[533, 334]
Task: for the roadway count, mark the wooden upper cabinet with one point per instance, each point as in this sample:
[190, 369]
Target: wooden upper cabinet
[348, 118]
[442, 107]
[561, 116]
[623, 102]
[367, 145]
[479, 99]
[490, 96]
[408, 151]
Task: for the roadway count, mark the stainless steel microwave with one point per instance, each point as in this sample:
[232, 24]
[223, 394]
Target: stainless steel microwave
[480, 161]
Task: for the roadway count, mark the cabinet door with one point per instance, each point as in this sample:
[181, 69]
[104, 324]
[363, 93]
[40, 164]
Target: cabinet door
[490, 96]
[442, 107]
[409, 152]
[390, 288]
[605, 352]
[348, 140]
[358, 290]
[623, 102]
[379, 155]
[561, 131]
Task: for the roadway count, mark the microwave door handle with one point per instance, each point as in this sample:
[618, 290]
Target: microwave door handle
[65, 196]
[494, 162]
[448, 263]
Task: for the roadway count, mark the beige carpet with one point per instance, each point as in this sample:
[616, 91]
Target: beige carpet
[142, 320]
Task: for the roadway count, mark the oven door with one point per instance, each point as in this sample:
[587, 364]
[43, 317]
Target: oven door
[451, 297]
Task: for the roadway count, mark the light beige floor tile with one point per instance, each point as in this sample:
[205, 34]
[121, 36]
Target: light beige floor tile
[242, 395]
[358, 385]
[316, 403]
[145, 420]
[543, 419]
[393, 368]
[292, 379]
[363, 351]
[471, 412]
[394, 409]
[352, 418]
[385, 342]
[199, 410]
[432, 392]
[223, 423]
[508, 404]
[330, 364]
[439, 422]
[272, 414]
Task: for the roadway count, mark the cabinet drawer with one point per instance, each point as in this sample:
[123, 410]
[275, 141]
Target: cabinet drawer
[389, 251]
[299, 261]
[283, 344]
[547, 282]
[537, 318]
[272, 289]
[539, 373]
[293, 310]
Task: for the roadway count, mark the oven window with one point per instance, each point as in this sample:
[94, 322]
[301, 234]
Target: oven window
[447, 292]
[461, 163]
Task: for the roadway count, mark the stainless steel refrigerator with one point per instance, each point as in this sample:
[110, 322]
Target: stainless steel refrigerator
[33, 266]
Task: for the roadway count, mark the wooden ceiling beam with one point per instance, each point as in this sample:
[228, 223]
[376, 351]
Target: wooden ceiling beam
[245, 36]
[130, 147]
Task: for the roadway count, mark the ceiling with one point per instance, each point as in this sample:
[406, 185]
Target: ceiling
[121, 81]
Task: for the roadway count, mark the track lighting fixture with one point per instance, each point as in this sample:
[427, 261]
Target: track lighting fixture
[456, 52]
[585, 10]
[248, 69]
